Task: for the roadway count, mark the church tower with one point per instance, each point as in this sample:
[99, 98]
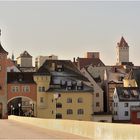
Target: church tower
[122, 51]
[3, 83]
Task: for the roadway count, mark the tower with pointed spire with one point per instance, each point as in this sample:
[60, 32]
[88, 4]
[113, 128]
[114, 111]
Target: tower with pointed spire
[122, 51]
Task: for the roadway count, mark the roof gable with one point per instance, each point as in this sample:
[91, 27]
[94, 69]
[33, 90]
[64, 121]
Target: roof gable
[122, 43]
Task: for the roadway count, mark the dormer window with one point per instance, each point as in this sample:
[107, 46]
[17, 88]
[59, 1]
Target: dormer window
[59, 68]
[69, 85]
[134, 94]
[79, 85]
[126, 94]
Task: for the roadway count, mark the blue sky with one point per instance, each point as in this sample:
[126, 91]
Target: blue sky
[69, 28]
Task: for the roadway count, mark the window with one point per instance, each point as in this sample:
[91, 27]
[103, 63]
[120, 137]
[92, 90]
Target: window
[69, 100]
[80, 111]
[26, 88]
[69, 111]
[97, 94]
[126, 113]
[41, 89]
[15, 88]
[97, 104]
[125, 104]
[58, 105]
[80, 100]
[41, 99]
[58, 116]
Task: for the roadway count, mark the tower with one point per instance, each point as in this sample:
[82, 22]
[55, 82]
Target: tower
[122, 51]
[3, 83]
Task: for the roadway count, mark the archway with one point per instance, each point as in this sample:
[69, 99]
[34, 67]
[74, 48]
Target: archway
[21, 106]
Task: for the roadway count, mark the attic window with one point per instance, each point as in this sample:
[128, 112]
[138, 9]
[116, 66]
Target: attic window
[59, 68]
[79, 85]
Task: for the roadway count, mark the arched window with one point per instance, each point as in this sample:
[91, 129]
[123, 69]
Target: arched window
[80, 100]
[69, 100]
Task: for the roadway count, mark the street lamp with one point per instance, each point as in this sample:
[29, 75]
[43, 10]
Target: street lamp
[11, 108]
[19, 105]
[32, 107]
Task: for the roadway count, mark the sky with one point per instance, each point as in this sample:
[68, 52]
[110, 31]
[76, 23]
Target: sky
[70, 28]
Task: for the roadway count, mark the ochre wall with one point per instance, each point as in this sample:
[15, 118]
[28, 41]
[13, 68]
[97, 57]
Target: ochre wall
[93, 130]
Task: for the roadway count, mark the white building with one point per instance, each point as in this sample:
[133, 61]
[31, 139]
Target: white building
[41, 59]
[122, 50]
[123, 99]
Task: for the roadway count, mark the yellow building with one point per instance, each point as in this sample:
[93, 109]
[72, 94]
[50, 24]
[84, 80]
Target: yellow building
[63, 92]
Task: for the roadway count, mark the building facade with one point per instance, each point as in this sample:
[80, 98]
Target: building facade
[21, 93]
[3, 83]
[63, 92]
[122, 50]
[41, 59]
[123, 99]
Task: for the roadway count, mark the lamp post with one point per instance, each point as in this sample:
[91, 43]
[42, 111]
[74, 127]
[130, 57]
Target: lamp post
[11, 109]
[19, 105]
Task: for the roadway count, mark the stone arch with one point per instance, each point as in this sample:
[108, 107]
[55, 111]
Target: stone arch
[22, 106]
[20, 97]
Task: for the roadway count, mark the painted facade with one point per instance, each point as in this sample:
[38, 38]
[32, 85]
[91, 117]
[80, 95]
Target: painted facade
[75, 98]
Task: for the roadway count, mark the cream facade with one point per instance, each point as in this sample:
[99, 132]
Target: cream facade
[63, 92]
[41, 59]
[122, 51]
[98, 92]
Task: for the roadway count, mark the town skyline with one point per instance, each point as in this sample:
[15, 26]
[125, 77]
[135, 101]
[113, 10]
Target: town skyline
[70, 29]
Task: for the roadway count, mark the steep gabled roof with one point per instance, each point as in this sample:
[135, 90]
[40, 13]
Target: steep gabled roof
[68, 67]
[2, 50]
[83, 62]
[122, 43]
[128, 93]
[25, 54]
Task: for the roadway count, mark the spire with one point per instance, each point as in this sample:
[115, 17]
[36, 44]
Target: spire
[122, 43]
[12, 56]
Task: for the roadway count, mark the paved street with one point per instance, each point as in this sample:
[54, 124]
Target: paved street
[17, 131]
